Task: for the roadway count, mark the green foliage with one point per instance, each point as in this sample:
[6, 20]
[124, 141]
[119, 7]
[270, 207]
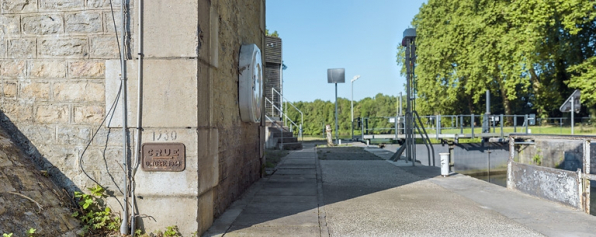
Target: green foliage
[584, 80]
[7, 235]
[95, 217]
[537, 159]
[529, 54]
[319, 113]
[274, 34]
[171, 231]
[31, 232]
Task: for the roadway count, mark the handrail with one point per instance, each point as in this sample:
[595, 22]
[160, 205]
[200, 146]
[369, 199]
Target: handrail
[424, 130]
[286, 116]
[292, 104]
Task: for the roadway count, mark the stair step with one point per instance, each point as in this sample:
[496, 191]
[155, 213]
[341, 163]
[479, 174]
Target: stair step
[292, 146]
[289, 140]
[285, 134]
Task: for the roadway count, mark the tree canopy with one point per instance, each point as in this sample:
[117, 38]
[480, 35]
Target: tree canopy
[319, 113]
[529, 54]
[274, 34]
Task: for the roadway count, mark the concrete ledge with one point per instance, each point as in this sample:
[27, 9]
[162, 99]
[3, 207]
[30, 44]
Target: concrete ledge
[549, 183]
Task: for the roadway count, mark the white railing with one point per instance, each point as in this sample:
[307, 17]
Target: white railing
[284, 114]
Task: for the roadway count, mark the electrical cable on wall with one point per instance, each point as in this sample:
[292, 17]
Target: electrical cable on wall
[111, 110]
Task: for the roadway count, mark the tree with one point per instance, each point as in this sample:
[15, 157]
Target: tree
[524, 52]
[274, 34]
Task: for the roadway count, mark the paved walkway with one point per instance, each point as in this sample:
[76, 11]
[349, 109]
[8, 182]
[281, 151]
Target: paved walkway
[311, 197]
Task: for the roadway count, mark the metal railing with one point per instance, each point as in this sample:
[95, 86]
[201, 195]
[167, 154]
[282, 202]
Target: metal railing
[471, 126]
[425, 139]
[284, 114]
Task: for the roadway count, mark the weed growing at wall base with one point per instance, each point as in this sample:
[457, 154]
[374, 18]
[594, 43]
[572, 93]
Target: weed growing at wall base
[95, 217]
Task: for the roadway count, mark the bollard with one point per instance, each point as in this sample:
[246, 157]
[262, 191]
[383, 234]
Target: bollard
[367, 143]
[444, 164]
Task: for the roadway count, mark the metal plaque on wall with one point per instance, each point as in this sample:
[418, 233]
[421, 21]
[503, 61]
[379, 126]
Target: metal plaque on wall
[164, 157]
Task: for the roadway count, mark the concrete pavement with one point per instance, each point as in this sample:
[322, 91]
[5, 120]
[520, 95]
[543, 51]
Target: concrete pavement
[311, 197]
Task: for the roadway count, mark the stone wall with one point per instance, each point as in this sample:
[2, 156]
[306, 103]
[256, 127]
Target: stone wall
[52, 66]
[59, 75]
[233, 23]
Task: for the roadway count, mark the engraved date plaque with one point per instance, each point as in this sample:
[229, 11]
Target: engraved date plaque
[163, 157]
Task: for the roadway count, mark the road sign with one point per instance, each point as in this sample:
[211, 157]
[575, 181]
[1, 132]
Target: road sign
[336, 75]
[572, 100]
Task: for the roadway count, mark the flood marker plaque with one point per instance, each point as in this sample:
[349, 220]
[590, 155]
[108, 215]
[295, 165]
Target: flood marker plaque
[163, 157]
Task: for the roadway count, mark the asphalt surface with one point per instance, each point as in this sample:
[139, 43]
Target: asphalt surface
[307, 196]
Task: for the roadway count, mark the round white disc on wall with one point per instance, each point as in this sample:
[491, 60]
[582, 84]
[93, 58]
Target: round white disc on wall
[250, 83]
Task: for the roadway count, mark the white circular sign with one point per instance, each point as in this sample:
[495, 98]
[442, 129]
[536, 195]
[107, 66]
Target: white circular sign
[250, 82]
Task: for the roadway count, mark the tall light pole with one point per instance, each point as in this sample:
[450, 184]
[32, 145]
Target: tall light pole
[336, 75]
[408, 42]
[352, 103]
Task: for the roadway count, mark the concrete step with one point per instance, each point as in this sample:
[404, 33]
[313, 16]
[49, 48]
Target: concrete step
[288, 140]
[285, 134]
[291, 146]
[278, 128]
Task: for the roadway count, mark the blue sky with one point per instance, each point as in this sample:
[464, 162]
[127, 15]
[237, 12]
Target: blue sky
[358, 35]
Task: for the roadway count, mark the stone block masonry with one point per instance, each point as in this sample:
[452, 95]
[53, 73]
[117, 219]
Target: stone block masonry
[52, 85]
[59, 74]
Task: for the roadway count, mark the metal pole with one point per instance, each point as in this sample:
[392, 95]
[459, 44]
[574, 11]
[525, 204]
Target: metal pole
[461, 124]
[486, 121]
[437, 117]
[352, 108]
[336, 125]
[526, 122]
[409, 107]
[472, 124]
[396, 118]
[399, 112]
[124, 225]
[572, 110]
[502, 133]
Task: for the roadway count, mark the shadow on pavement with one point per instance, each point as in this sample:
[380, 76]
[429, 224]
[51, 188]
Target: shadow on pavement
[292, 200]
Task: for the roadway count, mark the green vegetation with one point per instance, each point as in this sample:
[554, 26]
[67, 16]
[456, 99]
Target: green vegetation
[531, 55]
[95, 217]
[31, 232]
[172, 231]
[274, 34]
[319, 113]
[273, 157]
[537, 159]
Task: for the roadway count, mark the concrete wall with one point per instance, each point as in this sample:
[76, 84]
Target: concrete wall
[548, 183]
[59, 74]
[556, 153]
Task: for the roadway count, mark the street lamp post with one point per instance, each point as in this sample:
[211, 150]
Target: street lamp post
[336, 75]
[352, 103]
